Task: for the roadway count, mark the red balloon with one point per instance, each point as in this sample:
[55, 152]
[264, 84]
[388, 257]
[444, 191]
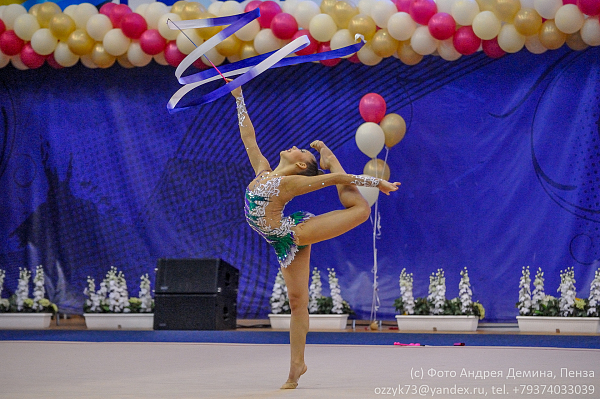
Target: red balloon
[323, 47]
[589, 7]
[466, 41]
[30, 58]
[199, 64]
[312, 46]
[106, 9]
[252, 5]
[152, 42]
[372, 107]
[354, 59]
[2, 27]
[569, 2]
[133, 25]
[117, 14]
[441, 26]
[284, 26]
[10, 43]
[172, 54]
[268, 10]
[402, 5]
[492, 49]
[52, 62]
[422, 10]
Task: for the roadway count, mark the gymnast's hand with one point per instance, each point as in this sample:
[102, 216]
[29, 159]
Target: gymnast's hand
[386, 187]
[237, 92]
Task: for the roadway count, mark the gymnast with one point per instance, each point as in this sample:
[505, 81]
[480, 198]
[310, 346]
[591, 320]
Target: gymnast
[292, 236]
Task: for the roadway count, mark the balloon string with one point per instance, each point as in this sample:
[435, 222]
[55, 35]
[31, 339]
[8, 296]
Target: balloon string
[204, 55]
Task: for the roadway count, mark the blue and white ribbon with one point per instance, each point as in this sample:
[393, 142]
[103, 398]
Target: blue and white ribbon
[248, 68]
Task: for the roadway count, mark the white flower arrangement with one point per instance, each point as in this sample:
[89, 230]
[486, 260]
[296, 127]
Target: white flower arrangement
[524, 303]
[113, 296]
[437, 292]
[594, 298]
[567, 291]
[336, 296]
[38, 288]
[280, 303]
[538, 292]
[22, 292]
[406, 292]
[464, 291]
[20, 301]
[314, 291]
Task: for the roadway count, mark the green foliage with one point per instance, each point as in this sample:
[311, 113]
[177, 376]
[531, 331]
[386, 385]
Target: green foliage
[451, 307]
[10, 306]
[325, 305]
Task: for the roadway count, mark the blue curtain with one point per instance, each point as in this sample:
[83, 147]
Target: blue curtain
[500, 169]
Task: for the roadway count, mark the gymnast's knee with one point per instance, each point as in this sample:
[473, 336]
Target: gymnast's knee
[298, 302]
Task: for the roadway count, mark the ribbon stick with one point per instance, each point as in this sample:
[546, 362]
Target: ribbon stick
[248, 68]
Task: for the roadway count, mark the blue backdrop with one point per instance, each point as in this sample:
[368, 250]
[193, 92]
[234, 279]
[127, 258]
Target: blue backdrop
[500, 168]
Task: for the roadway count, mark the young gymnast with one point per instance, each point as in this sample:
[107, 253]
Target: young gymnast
[292, 236]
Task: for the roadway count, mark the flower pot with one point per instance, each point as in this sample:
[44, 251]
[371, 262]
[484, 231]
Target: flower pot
[559, 324]
[25, 321]
[315, 321]
[437, 323]
[119, 321]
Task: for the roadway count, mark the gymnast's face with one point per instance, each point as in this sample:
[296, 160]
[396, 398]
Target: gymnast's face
[295, 154]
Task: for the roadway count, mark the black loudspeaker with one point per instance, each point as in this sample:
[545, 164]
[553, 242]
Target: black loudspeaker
[195, 294]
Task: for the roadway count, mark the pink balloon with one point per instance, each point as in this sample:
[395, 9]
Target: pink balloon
[199, 64]
[30, 58]
[422, 10]
[152, 42]
[172, 54]
[10, 43]
[117, 14]
[133, 25]
[466, 41]
[323, 47]
[492, 49]
[589, 7]
[284, 26]
[402, 5]
[354, 59]
[107, 8]
[252, 5]
[2, 27]
[268, 10]
[312, 46]
[372, 107]
[569, 2]
[441, 26]
[52, 62]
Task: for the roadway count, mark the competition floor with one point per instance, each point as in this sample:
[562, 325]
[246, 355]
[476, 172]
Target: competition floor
[86, 365]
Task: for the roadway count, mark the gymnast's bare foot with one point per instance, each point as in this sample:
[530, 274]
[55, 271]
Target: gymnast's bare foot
[292, 383]
[327, 157]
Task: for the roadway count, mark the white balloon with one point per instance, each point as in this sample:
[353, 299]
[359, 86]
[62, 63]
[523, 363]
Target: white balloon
[401, 26]
[533, 44]
[229, 8]
[25, 26]
[141, 9]
[422, 41]
[4, 59]
[370, 139]
[115, 42]
[289, 6]
[590, 32]
[341, 38]
[382, 11]
[248, 32]
[305, 12]
[322, 27]
[17, 63]
[214, 7]
[464, 11]
[547, 8]
[154, 12]
[10, 14]
[371, 194]
[70, 10]
[365, 6]
[136, 55]
[2, 12]
[43, 42]
[97, 26]
[367, 56]
[486, 25]
[163, 28]
[527, 3]
[63, 55]
[569, 19]
[214, 56]
[445, 6]
[265, 41]
[83, 13]
[447, 51]
[184, 44]
[510, 40]
[87, 61]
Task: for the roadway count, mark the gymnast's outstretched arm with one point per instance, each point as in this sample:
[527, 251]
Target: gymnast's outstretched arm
[257, 160]
[299, 184]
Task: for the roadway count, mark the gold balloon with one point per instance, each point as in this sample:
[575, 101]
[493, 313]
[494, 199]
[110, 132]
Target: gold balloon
[383, 44]
[343, 13]
[327, 6]
[362, 24]
[575, 42]
[101, 57]
[407, 55]
[394, 129]
[550, 36]
[45, 13]
[207, 33]
[61, 26]
[487, 5]
[247, 50]
[374, 326]
[34, 10]
[80, 43]
[506, 10]
[527, 21]
[124, 61]
[192, 10]
[229, 46]
[177, 7]
[377, 168]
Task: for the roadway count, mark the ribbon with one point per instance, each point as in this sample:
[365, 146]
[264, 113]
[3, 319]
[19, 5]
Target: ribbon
[248, 68]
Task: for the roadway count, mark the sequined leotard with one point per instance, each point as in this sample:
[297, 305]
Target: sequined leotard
[281, 237]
